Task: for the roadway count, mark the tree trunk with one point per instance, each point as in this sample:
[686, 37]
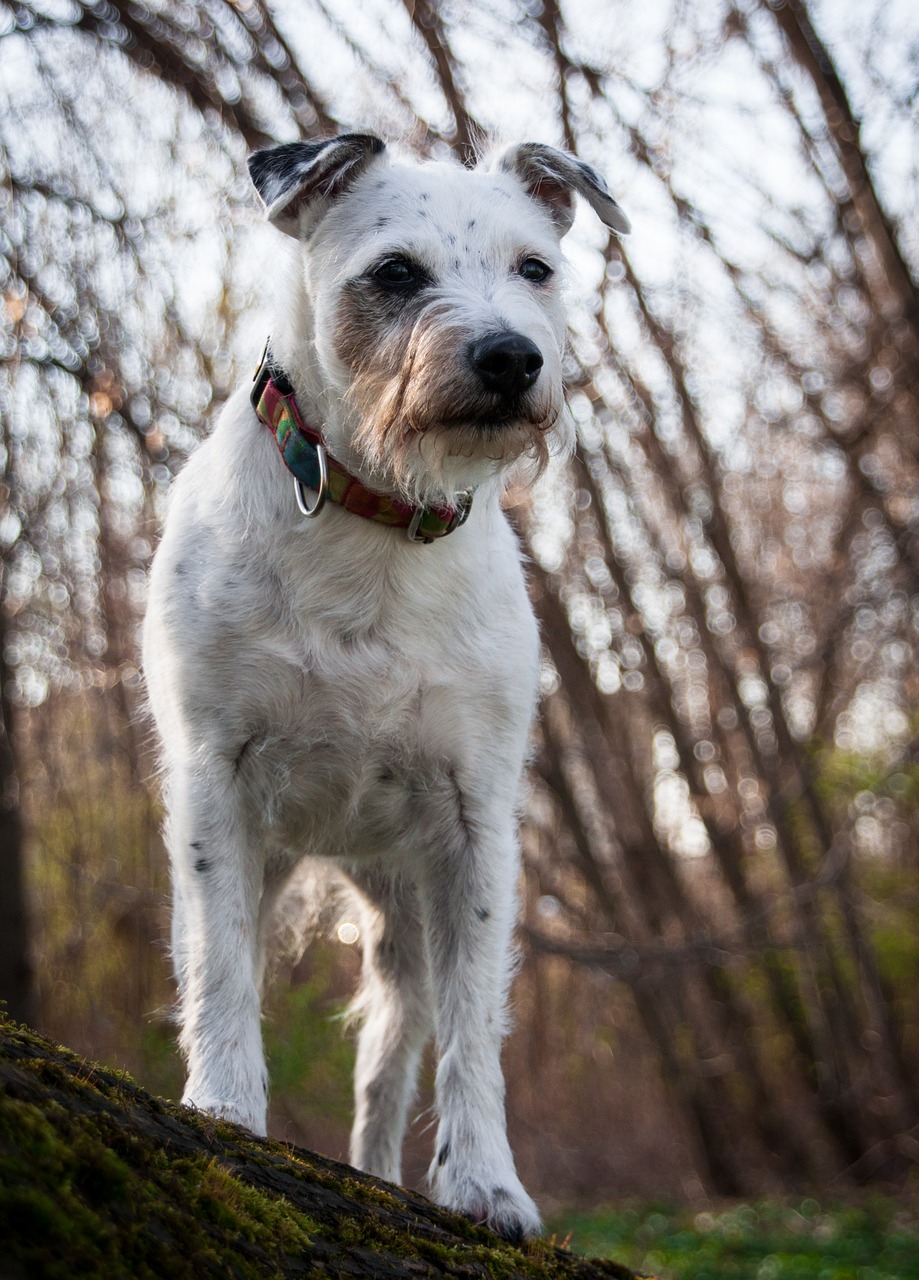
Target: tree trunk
[16, 989]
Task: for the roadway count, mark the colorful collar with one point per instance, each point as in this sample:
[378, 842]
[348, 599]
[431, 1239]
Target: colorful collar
[309, 461]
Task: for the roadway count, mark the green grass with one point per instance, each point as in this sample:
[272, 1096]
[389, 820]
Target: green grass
[875, 1239]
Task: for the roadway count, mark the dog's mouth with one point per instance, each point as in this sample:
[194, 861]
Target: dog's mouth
[497, 436]
[522, 412]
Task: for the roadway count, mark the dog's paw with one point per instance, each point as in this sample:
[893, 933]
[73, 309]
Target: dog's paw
[252, 1118]
[501, 1204]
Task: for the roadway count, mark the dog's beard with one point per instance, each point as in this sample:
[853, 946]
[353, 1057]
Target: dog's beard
[423, 421]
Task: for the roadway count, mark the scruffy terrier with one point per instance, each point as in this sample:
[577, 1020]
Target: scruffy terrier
[339, 649]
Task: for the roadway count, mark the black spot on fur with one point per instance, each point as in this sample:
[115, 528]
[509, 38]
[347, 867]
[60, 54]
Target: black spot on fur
[483, 913]
[443, 1155]
[180, 569]
[196, 844]
[424, 196]
[470, 224]
[202, 865]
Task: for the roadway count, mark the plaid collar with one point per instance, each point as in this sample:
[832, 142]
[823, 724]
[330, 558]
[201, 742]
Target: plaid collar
[312, 466]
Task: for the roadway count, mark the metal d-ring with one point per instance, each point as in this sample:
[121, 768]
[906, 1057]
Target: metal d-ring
[322, 491]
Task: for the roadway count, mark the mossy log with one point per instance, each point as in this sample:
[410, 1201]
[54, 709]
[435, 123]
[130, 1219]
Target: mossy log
[98, 1178]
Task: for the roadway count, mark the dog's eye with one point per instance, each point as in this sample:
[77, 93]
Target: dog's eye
[534, 270]
[398, 271]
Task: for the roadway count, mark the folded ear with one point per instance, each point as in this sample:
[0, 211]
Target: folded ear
[551, 177]
[300, 178]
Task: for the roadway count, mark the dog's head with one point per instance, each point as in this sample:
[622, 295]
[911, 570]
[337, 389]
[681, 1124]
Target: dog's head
[436, 300]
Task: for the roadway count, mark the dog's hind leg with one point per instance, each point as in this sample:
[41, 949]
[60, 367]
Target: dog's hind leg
[217, 874]
[394, 1007]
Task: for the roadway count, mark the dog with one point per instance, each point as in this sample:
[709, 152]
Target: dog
[339, 650]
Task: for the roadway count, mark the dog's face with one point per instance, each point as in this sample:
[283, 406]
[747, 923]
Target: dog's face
[436, 294]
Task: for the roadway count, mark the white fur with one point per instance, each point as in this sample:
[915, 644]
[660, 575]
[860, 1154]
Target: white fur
[329, 689]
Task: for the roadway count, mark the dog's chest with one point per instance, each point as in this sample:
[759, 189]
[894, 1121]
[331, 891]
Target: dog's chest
[375, 738]
[362, 763]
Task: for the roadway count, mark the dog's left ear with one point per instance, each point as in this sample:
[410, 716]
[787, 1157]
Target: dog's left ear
[296, 178]
[551, 177]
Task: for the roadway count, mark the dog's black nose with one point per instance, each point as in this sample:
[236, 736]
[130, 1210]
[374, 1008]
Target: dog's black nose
[507, 363]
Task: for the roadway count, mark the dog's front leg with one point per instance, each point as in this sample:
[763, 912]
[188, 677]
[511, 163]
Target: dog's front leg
[217, 872]
[468, 893]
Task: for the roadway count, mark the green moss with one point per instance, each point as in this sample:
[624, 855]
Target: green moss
[72, 1205]
[100, 1179]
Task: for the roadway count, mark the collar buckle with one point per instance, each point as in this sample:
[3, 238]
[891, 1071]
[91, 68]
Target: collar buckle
[261, 376]
[412, 531]
[460, 516]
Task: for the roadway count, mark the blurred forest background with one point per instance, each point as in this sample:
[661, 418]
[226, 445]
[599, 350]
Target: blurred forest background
[720, 989]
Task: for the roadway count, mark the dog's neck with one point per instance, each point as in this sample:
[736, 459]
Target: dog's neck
[306, 455]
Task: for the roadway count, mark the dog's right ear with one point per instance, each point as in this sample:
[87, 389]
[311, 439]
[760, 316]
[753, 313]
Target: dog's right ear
[300, 178]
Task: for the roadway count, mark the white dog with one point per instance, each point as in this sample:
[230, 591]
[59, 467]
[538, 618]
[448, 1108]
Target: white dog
[360, 686]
